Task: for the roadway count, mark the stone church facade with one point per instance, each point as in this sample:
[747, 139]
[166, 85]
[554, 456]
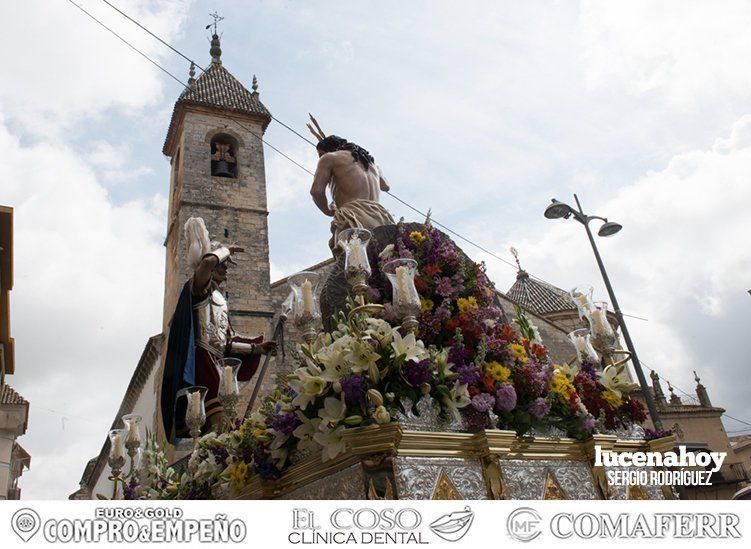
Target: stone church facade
[216, 110]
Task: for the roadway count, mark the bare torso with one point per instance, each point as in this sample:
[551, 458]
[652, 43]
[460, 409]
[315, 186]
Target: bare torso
[348, 178]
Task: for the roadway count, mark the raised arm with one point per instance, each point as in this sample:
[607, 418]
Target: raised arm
[202, 274]
[382, 181]
[324, 173]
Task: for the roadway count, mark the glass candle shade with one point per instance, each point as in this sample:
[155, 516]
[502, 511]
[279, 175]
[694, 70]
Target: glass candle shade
[603, 336]
[133, 427]
[401, 275]
[228, 369]
[583, 344]
[304, 308]
[117, 443]
[582, 297]
[195, 413]
[357, 270]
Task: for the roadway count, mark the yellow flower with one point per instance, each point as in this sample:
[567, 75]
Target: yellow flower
[426, 305]
[238, 474]
[417, 237]
[466, 304]
[561, 386]
[497, 371]
[612, 399]
[261, 435]
[518, 352]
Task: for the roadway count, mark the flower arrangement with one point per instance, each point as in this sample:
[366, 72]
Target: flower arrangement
[473, 365]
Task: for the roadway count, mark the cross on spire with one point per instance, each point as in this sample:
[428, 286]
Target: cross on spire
[216, 18]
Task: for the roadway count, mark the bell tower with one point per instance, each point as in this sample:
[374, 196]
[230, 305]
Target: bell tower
[215, 150]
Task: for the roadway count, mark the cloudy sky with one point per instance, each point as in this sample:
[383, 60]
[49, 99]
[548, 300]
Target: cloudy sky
[481, 111]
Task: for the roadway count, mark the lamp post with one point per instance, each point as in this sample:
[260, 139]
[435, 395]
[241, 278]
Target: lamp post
[557, 210]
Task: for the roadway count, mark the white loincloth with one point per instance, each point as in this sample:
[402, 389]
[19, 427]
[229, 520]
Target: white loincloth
[360, 213]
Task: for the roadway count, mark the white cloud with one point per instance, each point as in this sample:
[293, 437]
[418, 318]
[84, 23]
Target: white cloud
[68, 69]
[677, 49]
[87, 295]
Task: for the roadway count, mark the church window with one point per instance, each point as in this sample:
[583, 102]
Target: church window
[224, 156]
[226, 233]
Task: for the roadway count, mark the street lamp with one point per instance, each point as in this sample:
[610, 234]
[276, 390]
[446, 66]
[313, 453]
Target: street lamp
[558, 210]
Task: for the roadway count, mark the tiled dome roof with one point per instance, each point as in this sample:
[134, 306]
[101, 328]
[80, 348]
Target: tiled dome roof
[539, 297]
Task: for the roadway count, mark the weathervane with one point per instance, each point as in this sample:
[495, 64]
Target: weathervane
[216, 18]
[515, 253]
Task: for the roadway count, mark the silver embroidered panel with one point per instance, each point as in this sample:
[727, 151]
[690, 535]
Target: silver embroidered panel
[348, 483]
[621, 492]
[525, 479]
[417, 477]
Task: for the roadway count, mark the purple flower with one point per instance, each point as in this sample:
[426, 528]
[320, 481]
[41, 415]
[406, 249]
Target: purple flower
[505, 397]
[130, 488]
[353, 389]
[445, 288]
[589, 424]
[651, 434]
[482, 402]
[539, 408]
[286, 423]
[220, 454]
[417, 373]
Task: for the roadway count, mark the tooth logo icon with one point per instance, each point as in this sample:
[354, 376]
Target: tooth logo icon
[25, 523]
[454, 526]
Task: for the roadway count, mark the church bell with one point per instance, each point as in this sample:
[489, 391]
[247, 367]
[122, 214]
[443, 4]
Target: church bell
[224, 169]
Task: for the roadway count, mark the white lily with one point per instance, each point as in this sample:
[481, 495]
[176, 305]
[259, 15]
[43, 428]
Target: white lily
[568, 370]
[331, 441]
[460, 395]
[361, 356]
[408, 347]
[307, 387]
[459, 399]
[611, 378]
[386, 252]
[333, 411]
[380, 330]
[305, 432]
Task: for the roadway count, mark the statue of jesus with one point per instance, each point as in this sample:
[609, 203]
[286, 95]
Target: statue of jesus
[355, 183]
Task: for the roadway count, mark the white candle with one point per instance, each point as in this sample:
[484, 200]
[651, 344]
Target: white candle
[357, 256]
[581, 345]
[132, 431]
[195, 404]
[402, 282]
[117, 445]
[582, 300]
[601, 323]
[307, 297]
[228, 385]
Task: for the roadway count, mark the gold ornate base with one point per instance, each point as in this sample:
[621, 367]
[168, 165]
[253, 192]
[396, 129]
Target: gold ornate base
[388, 462]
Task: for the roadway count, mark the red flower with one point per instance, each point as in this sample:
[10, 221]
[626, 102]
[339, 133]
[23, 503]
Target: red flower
[473, 391]
[539, 351]
[431, 270]
[422, 285]
[488, 384]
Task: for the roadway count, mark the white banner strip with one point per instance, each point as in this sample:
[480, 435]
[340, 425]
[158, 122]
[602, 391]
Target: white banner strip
[276, 524]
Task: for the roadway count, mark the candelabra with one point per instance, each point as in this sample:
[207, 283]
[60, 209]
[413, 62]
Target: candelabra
[406, 300]
[306, 313]
[132, 424]
[116, 459]
[357, 271]
[229, 391]
[195, 413]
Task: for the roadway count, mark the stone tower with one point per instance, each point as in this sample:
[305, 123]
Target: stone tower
[215, 150]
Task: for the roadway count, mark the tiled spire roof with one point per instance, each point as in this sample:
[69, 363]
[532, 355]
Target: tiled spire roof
[217, 88]
[539, 297]
[9, 396]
